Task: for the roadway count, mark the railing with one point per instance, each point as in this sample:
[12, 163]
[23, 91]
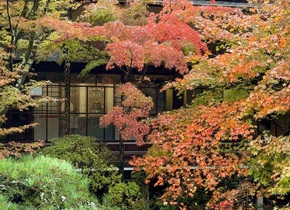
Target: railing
[227, 3]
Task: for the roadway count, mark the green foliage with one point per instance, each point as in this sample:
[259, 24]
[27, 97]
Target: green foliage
[208, 97]
[6, 204]
[88, 154]
[93, 158]
[188, 49]
[15, 97]
[136, 14]
[126, 196]
[139, 177]
[78, 50]
[43, 183]
[98, 16]
[92, 64]
[100, 12]
[271, 163]
[235, 94]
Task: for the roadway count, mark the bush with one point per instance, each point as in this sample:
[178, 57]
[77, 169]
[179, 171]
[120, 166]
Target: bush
[88, 154]
[43, 183]
[126, 196]
[5, 204]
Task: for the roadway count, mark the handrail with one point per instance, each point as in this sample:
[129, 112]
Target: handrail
[226, 3]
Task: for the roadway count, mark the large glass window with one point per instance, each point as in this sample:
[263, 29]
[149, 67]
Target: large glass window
[96, 100]
[89, 101]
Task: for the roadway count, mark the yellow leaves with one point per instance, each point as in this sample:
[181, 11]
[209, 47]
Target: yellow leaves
[264, 101]
[242, 69]
[232, 30]
[193, 58]
[253, 10]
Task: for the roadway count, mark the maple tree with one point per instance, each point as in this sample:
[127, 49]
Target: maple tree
[133, 48]
[19, 39]
[13, 98]
[122, 41]
[214, 138]
[20, 32]
[22, 36]
[135, 107]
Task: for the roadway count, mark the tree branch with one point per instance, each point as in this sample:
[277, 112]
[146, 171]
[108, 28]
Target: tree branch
[10, 59]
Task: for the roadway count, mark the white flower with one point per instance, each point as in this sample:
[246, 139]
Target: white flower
[63, 198]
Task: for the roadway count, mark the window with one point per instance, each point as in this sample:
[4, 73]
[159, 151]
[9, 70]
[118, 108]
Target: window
[89, 101]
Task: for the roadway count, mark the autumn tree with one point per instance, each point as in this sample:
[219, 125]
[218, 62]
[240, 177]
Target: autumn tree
[157, 43]
[20, 32]
[19, 39]
[121, 41]
[12, 97]
[215, 137]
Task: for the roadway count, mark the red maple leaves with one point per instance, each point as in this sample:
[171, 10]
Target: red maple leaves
[130, 117]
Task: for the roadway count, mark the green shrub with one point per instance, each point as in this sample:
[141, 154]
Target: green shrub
[5, 204]
[88, 154]
[93, 157]
[43, 183]
[126, 196]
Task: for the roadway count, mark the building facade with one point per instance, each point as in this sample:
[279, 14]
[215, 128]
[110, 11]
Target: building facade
[91, 97]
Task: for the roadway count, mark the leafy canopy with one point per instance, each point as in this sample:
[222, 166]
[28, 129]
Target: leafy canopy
[215, 137]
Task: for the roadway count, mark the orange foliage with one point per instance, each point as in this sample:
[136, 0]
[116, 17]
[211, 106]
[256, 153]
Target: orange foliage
[16, 149]
[200, 145]
[190, 148]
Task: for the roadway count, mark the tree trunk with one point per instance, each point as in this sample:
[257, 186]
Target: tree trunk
[67, 97]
